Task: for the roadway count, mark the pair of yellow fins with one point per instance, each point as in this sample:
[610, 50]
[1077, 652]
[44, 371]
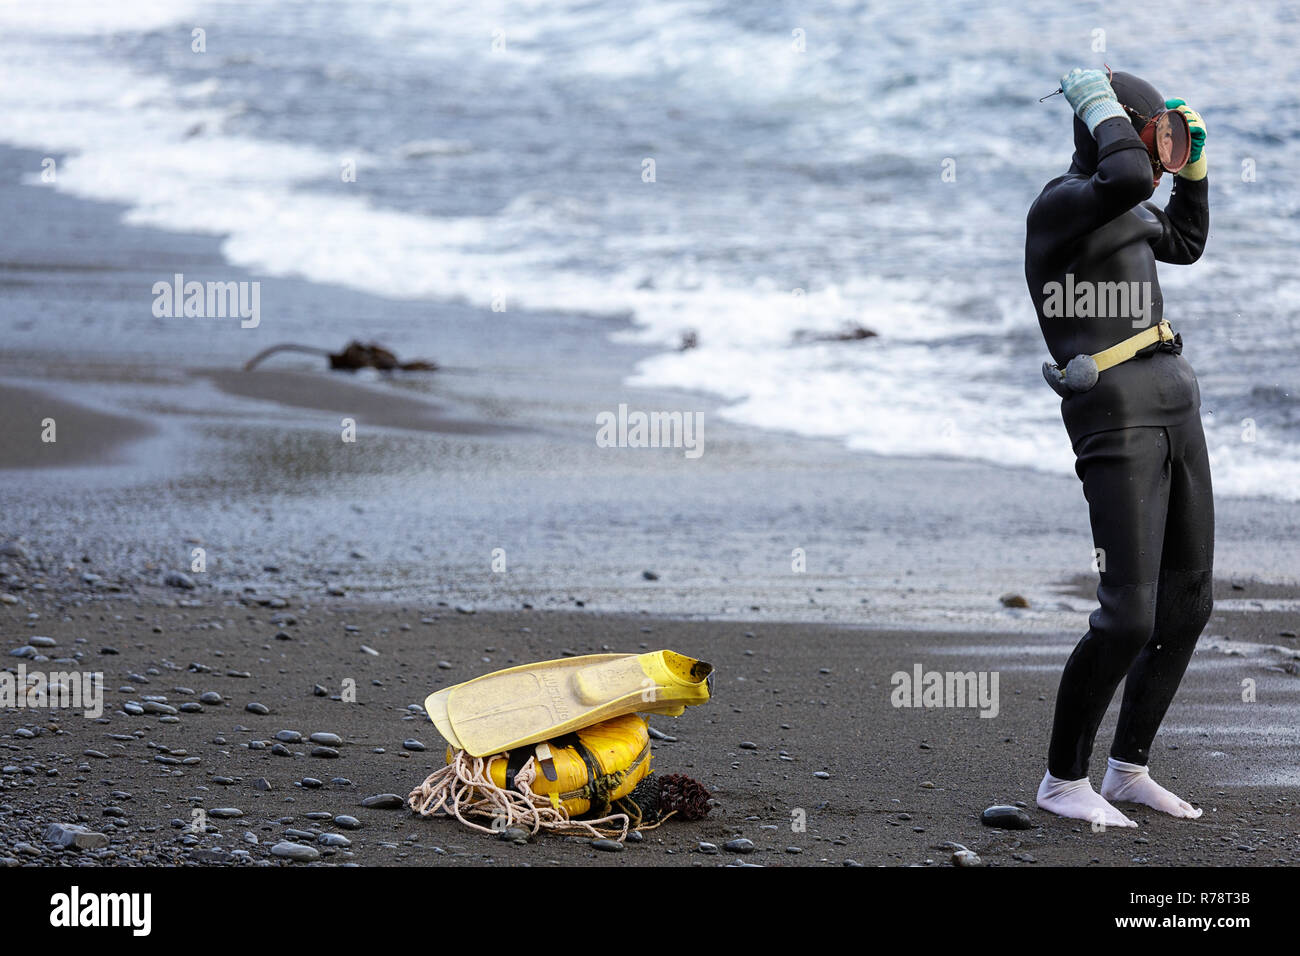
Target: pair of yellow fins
[536, 702]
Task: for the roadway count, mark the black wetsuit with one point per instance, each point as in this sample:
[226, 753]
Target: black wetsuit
[1140, 451]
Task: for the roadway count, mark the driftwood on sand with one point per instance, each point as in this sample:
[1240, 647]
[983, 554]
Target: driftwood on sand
[356, 355]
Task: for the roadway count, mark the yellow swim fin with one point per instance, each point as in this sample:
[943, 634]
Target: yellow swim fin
[535, 702]
[436, 705]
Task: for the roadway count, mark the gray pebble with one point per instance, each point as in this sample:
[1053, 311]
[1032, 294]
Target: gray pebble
[255, 708]
[210, 697]
[325, 753]
[65, 834]
[966, 858]
[17, 550]
[334, 839]
[609, 846]
[175, 579]
[288, 736]
[1006, 818]
[412, 745]
[709, 849]
[345, 822]
[384, 801]
[329, 740]
[739, 845]
[296, 852]
[226, 813]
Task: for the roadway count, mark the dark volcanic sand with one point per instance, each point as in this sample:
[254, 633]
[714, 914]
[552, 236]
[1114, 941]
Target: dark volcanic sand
[877, 807]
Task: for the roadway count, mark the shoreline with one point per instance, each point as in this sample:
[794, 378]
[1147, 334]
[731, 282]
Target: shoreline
[497, 451]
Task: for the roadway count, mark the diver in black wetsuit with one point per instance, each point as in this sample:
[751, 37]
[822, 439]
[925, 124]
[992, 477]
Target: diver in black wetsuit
[1140, 451]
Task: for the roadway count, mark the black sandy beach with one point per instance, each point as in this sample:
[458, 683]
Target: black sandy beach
[315, 550]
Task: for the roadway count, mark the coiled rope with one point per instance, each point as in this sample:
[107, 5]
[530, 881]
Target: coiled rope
[464, 789]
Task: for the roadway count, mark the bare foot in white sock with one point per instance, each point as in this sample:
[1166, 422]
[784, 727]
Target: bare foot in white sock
[1132, 783]
[1077, 799]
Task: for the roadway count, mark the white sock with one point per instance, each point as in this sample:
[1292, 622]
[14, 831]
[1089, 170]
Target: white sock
[1077, 799]
[1132, 783]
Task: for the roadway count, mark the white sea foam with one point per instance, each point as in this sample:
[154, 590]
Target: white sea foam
[943, 376]
[91, 18]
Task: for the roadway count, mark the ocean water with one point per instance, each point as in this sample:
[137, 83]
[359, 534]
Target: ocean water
[502, 153]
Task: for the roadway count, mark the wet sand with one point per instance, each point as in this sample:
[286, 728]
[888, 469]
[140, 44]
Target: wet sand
[369, 406]
[40, 430]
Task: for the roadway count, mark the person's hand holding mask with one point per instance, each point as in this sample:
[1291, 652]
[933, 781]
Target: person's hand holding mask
[1196, 167]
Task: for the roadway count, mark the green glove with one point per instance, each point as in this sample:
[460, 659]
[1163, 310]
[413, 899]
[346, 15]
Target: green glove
[1090, 93]
[1196, 167]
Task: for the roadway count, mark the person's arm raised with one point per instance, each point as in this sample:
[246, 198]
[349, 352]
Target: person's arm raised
[1186, 217]
[1074, 206]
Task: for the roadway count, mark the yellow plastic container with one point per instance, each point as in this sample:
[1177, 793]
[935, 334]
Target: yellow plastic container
[592, 767]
